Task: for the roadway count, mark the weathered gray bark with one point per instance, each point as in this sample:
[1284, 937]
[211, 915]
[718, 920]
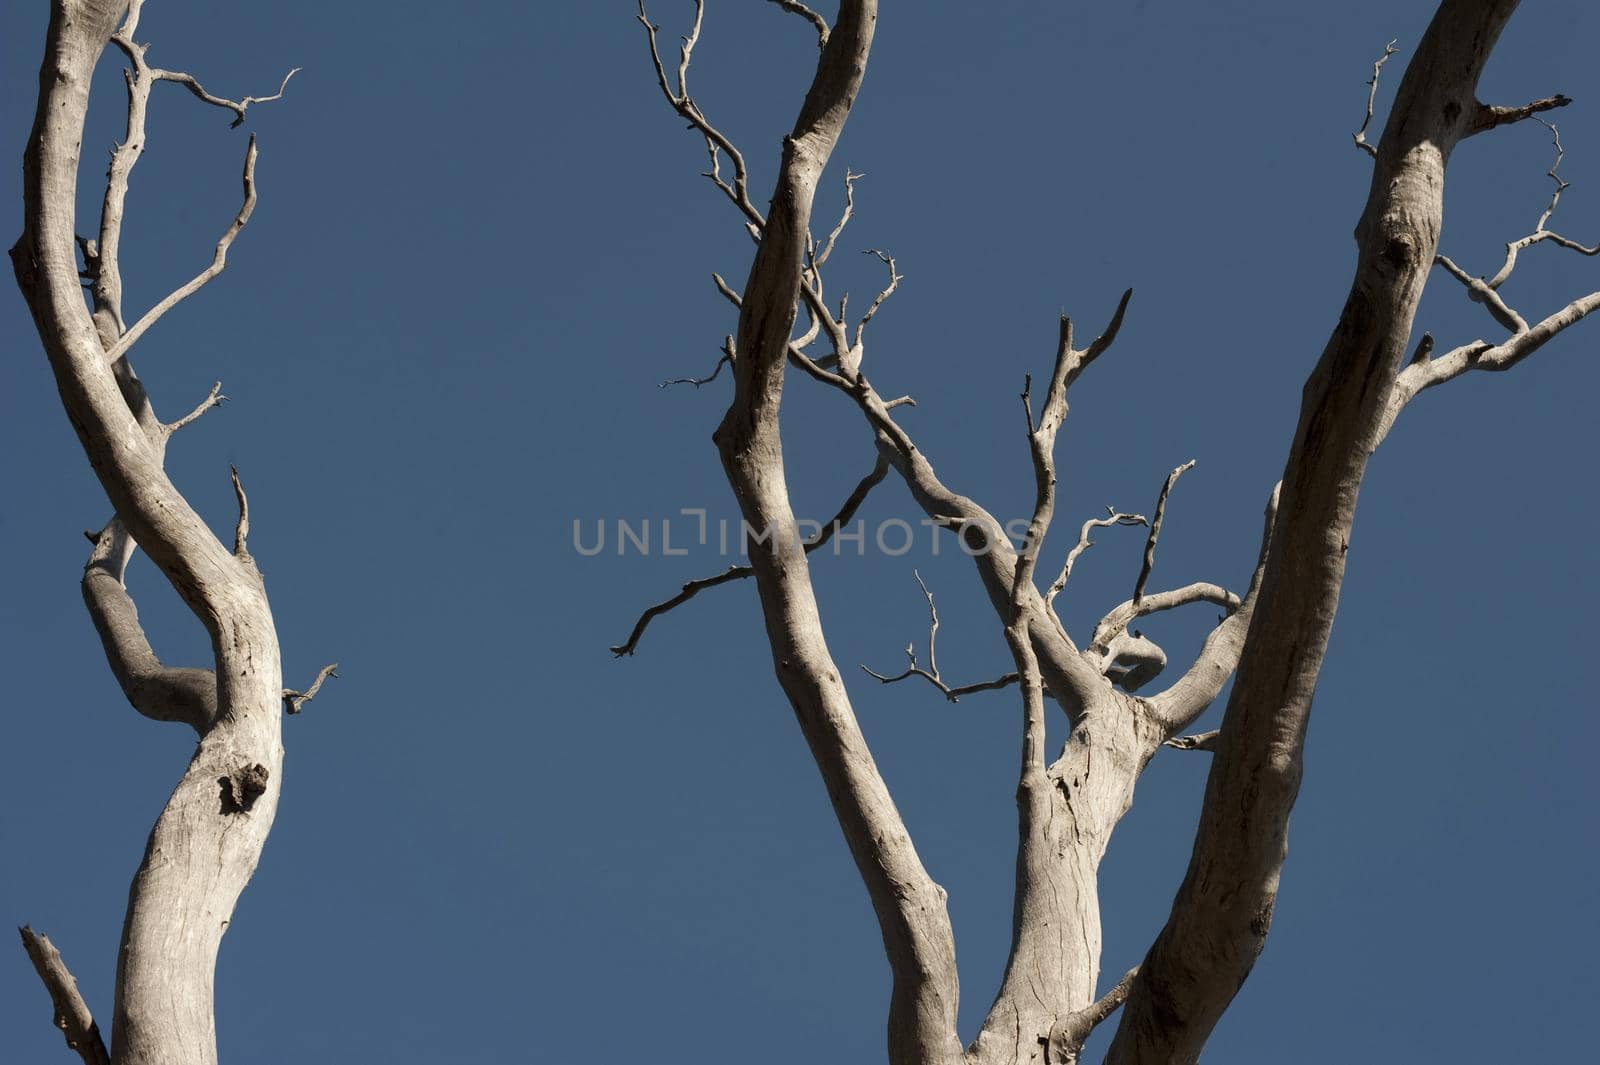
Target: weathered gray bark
[205, 845]
[910, 906]
[1224, 907]
[1274, 635]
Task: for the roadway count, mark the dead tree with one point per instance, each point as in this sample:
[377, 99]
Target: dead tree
[205, 845]
[1272, 640]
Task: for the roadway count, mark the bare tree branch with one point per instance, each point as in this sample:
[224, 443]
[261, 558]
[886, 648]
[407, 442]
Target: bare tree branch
[72, 1014]
[1487, 118]
[295, 701]
[1480, 292]
[219, 261]
[1187, 698]
[1073, 681]
[818, 256]
[739, 191]
[241, 530]
[931, 674]
[159, 692]
[1222, 911]
[1155, 529]
[847, 511]
[1426, 373]
[727, 357]
[888, 290]
[203, 848]
[214, 399]
[1540, 233]
[237, 107]
[1372, 96]
[1200, 741]
[795, 7]
[1113, 517]
[1066, 1040]
[1121, 616]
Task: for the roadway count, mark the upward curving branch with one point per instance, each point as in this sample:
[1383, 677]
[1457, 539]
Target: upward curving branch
[910, 906]
[208, 839]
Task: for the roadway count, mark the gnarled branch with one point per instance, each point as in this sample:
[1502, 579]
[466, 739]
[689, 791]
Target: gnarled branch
[295, 701]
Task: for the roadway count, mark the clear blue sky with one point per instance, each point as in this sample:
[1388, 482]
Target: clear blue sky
[482, 241]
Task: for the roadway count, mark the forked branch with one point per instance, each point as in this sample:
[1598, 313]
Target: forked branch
[739, 191]
[219, 261]
[1372, 96]
[214, 399]
[1113, 517]
[1541, 232]
[295, 701]
[931, 674]
[238, 107]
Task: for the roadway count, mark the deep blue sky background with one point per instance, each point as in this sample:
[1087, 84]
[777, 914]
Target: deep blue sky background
[481, 242]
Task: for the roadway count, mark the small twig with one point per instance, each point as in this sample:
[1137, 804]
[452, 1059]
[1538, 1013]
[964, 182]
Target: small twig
[727, 290]
[821, 255]
[219, 261]
[725, 360]
[739, 191]
[238, 108]
[1540, 233]
[215, 399]
[72, 1014]
[1155, 529]
[241, 532]
[847, 511]
[952, 694]
[295, 701]
[1200, 741]
[1553, 174]
[810, 16]
[1113, 517]
[931, 674]
[888, 290]
[1372, 96]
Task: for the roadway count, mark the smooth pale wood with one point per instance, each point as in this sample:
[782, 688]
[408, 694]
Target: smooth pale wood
[205, 845]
